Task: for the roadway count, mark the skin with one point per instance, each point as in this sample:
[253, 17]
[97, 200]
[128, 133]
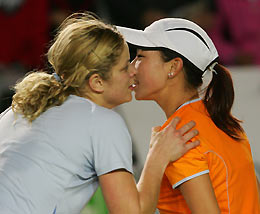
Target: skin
[199, 195]
[153, 78]
[118, 88]
[165, 146]
[170, 93]
[153, 82]
[143, 197]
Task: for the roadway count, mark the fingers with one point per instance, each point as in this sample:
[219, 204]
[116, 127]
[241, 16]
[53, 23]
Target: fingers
[192, 145]
[190, 135]
[187, 137]
[185, 128]
[174, 122]
[156, 129]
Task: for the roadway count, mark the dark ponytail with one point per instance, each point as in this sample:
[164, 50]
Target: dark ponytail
[218, 99]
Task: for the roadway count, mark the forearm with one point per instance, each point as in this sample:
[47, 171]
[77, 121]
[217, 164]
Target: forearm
[150, 182]
[165, 146]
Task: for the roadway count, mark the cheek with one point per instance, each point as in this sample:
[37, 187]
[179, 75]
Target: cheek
[148, 74]
[152, 80]
[122, 86]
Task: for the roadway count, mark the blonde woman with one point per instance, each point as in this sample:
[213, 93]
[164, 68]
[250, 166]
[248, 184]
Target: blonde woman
[60, 139]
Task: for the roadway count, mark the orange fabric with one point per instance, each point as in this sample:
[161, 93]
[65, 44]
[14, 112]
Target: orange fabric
[229, 162]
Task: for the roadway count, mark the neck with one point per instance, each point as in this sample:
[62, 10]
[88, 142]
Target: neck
[173, 101]
[96, 98]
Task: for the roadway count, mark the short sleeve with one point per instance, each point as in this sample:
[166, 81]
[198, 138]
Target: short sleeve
[191, 165]
[111, 144]
[4, 112]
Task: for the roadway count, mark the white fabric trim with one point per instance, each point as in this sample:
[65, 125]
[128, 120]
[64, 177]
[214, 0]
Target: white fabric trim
[4, 112]
[189, 178]
[191, 101]
[226, 175]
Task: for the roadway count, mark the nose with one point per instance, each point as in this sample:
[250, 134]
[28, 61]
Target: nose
[132, 69]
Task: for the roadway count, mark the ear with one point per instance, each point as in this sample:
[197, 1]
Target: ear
[96, 83]
[175, 66]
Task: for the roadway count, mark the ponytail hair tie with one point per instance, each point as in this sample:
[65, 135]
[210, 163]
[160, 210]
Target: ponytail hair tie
[56, 76]
[210, 68]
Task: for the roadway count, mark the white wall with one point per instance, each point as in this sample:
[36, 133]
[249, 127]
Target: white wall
[141, 116]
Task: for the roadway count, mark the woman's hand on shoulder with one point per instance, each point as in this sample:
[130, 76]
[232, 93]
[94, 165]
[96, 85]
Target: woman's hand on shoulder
[171, 144]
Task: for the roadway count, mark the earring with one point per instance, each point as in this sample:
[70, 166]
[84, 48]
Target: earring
[170, 75]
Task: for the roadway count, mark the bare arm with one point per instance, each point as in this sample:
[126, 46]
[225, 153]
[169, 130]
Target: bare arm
[119, 189]
[120, 193]
[158, 158]
[199, 195]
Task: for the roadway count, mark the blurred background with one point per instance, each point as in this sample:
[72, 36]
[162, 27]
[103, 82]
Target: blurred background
[28, 26]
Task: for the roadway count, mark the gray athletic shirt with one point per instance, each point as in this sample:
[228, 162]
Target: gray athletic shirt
[52, 165]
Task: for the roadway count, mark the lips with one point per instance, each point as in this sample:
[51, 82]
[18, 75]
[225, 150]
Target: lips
[134, 85]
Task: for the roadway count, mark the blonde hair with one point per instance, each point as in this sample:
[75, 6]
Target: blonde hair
[84, 45]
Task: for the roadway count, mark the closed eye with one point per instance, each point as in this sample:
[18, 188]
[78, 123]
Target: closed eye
[126, 66]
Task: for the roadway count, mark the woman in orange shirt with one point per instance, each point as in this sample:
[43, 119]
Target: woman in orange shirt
[173, 56]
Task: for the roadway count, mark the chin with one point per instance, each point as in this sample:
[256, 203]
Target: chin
[127, 99]
[130, 99]
[140, 97]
